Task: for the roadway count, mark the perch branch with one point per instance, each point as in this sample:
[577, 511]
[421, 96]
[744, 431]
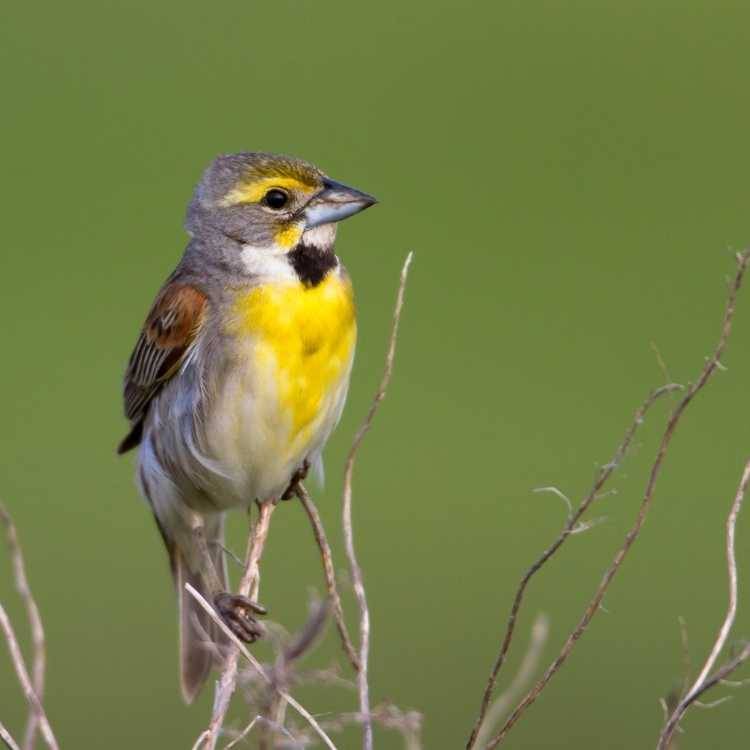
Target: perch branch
[330, 574]
[248, 587]
[241, 649]
[354, 569]
[713, 363]
[693, 693]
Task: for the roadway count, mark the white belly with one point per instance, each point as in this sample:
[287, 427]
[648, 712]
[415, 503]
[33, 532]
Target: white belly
[253, 435]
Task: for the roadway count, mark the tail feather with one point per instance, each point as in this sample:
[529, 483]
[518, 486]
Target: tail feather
[198, 633]
[201, 641]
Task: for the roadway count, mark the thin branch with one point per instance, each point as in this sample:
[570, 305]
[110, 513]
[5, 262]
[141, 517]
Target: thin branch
[726, 627]
[354, 568]
[282, 673]
[504, 701]
[9, 742]
[243, 734]
[22, 673]
[330, 574]
[35, 622]
[241, 649]
[720, 675]
[713, 363]
[605, 472]
[204, 735]
[388, 716]
[248, 587]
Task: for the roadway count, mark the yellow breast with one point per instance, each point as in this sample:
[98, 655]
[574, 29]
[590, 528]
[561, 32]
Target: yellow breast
[304, 339]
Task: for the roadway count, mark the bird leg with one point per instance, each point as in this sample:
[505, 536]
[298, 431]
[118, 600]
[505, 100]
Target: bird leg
[297, 477]
[236, 610]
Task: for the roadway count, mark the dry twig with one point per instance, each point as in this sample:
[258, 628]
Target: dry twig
[37, 635]
[712, 364]
[407, 723]
[571, 524]
[35, 623]
[241, 649]
[504, 701]
[330, 574]
[241, 736]
[698, 687]
[5, 736]
[282, 673]
[248, 587]
[22, 673]
[354, 569]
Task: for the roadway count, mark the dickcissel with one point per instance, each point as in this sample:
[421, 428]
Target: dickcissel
[241, 370]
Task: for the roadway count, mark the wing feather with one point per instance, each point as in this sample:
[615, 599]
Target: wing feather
[169, 330]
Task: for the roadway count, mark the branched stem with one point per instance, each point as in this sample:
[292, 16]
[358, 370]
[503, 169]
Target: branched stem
[713, 363]
[701, 683]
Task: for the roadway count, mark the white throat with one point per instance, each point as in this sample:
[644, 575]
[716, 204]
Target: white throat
[268, 263]
[321, 237]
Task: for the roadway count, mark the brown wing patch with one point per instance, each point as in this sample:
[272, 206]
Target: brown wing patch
[167, 334]
[175, 316]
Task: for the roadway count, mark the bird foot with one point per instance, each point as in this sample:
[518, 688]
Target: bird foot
[237, 612]
[297, 477]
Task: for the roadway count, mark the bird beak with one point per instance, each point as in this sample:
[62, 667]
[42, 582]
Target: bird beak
[334, 203]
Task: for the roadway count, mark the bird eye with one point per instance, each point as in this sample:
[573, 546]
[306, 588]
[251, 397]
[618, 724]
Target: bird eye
[276, 198]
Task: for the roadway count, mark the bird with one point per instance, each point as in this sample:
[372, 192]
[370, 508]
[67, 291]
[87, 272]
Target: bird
[240, 372]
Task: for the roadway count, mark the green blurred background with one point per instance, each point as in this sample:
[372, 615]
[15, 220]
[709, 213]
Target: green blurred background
[573, 178]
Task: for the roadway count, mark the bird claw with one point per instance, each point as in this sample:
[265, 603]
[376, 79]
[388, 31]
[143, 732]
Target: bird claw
[237, 612]
[297, 477]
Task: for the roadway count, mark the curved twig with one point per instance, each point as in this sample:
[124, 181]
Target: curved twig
[35, 623]
[605, 472]
[22, 673]
[354, 569]
[698, 687]
[330, 575]
[713, 363]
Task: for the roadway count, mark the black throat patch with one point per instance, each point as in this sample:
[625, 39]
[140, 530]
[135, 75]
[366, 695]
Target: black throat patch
[311, 263]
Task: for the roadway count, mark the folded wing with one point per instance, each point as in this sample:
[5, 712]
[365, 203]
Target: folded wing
[170, 328]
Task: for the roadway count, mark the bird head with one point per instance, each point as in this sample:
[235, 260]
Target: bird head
[271, 202]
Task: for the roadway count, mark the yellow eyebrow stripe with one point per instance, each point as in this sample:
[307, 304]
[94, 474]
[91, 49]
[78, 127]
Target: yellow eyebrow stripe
[252, 192]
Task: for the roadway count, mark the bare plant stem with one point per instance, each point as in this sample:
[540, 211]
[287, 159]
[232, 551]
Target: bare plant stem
[712, 364]
[5, 736]
[249, 586]
[330, 575]
[354, 568]
[22, 673]
[726, 627]
[504, 701]
[243, 734]
[35, 623]
[241, 649]
[603, 476]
